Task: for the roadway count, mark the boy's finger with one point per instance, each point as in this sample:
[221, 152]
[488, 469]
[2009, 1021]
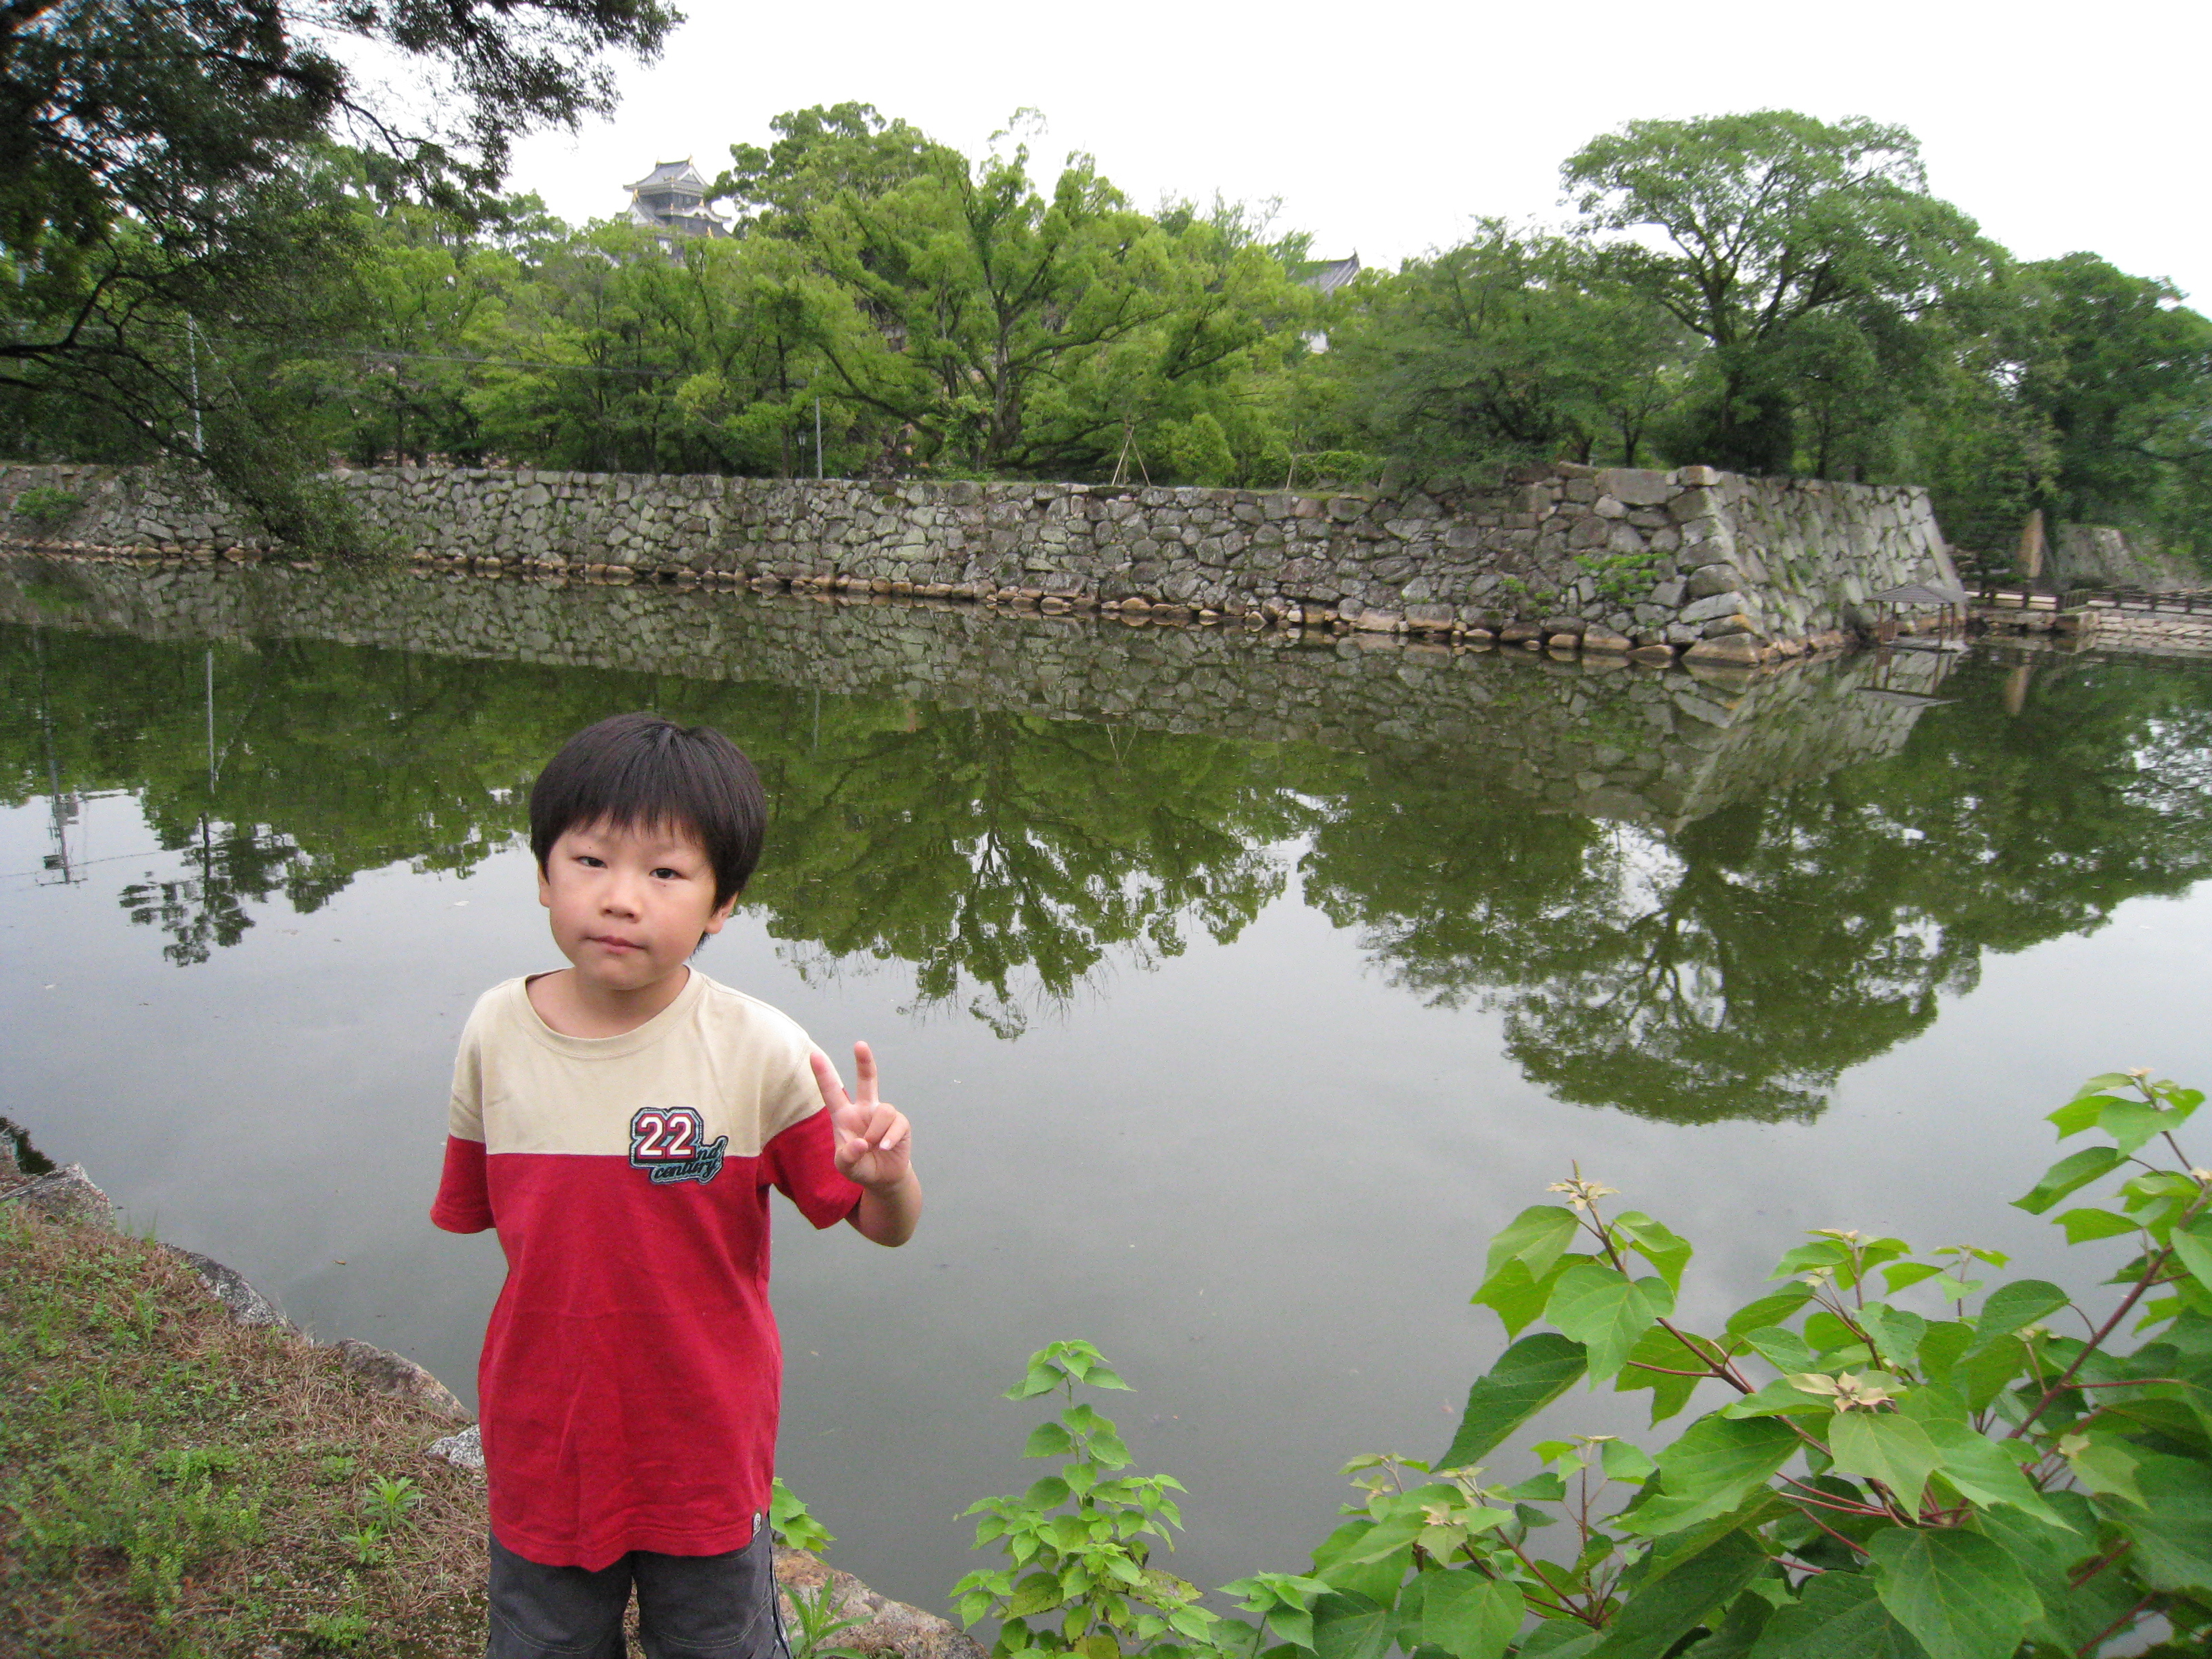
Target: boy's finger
[832, 1087]
[864, 1072]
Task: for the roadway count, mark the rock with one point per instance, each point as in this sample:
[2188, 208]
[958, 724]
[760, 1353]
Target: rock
[889, 1628]
[65, 1195]
[1736, 651]
[1715, 604]
[247, 1306]
[1634, 487]
[1714, 579]
[1605, 641]
[382, 1371]
[1657, 655]
[463, 1450]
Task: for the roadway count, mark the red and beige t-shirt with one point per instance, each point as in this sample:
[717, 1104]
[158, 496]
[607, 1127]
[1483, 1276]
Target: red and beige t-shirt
[631, 1369]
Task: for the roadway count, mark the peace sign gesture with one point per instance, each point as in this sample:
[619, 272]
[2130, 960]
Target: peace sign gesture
[875, 1140]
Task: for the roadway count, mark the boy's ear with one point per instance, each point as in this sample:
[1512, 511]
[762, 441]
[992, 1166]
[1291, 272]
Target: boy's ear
[722, 911]
[544, 889]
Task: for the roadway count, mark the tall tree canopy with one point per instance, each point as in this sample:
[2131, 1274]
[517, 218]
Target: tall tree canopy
[1775, 225]
[164, 218]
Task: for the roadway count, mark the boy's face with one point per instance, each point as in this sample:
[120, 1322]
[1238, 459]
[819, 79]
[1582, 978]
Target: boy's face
[630, 904]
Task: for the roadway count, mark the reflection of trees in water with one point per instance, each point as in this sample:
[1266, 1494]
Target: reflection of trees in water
[1738, 967]
[1734, 968]
[1004, 856]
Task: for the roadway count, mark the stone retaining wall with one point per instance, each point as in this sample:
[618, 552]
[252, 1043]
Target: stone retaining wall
[1592, 735]
[1694, 562]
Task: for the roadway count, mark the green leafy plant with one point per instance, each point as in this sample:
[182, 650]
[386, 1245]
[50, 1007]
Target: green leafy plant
[1891, 1457]
[1079, 1577]
[1622, 578]
[794, 1523]
[818, 1617]
[1899, 1463]
[43, 507]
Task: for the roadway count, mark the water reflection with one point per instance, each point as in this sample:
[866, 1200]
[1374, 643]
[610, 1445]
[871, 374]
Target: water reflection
[1791, 878]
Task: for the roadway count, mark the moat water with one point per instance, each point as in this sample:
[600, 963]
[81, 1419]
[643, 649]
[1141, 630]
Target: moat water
[1238, 991]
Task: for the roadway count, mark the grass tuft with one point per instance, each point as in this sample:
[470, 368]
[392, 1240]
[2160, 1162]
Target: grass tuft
[174, 1484]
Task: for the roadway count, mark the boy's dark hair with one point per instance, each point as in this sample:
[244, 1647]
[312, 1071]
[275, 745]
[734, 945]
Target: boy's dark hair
[639, 770]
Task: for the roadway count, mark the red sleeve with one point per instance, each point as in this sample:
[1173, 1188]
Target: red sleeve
[463, 1202]
[801, 1162]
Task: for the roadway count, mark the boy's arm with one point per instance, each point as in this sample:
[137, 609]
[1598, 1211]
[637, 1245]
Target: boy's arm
[875, 1146]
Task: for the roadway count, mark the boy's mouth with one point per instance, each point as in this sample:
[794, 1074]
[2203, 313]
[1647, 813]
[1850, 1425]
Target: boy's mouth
[615, 943]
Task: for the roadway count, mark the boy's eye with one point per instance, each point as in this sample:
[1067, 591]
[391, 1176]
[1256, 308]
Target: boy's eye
[667, 874]
[589, 860]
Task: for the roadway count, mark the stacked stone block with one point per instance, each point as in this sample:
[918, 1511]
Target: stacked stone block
[1616, 559]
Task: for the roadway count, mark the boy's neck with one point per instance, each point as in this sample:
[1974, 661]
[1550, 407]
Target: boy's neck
[572, 1006]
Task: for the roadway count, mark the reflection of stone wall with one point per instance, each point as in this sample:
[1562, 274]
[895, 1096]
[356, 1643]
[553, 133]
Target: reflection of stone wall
[1738, 569]
[1569, 735]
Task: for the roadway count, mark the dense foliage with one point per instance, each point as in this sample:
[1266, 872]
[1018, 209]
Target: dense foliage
[1890, 1457]
[1766, 292]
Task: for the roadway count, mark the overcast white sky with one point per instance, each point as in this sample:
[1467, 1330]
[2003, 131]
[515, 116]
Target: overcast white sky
[1384, 126]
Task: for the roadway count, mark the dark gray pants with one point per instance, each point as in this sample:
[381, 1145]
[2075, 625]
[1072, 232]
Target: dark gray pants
[689, 1607]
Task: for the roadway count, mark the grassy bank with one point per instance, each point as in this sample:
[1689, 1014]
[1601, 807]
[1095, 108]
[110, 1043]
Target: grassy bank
[172, 1484]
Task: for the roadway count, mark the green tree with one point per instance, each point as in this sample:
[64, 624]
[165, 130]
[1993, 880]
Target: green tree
[2119, 373]
[1512, 346]
[169, 234]
[1771, 219]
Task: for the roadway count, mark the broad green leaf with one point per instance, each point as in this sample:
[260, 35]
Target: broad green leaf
[1984, 1470]
[2131, 1122]
[1048, 1440]
[1624, 1460]
[1535, 1238]
[1896, 1333]
[2049, 1556]
[2104, 1466]
[1655, 1364]
[1908, 1273]
[1527, 1377]
[1350, 1626]
[2023, 1302]
[1377, 1580]
[1768, 1309]
[1665, 1249]
[2173, 1532]
[1838, 1616]
[2069, 1174]
[2193, 1245]
[1820, 1252]
[2082, 1112]
[1561, 1639]
[2083, 1226]
[1986, 1371]
[1663, 1610]
[1516, 1296]
[1960, 1593]
[1782, 1348]
[1942, 1344]
[1605, 1312]
[1467, 1615]
[1884, 1446]
[1710, 1471]
[1740, 1630]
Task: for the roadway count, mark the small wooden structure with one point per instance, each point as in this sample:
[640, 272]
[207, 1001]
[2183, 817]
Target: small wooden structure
[1949, 604]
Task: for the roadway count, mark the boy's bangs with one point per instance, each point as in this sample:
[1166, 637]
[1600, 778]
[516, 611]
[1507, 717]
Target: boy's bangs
[640, 773]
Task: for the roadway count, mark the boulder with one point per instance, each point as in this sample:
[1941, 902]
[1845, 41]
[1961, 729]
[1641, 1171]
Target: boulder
[246, 1305]
[1735, 651]
[887, 1627]
[381, 1371]
[65, 1195]
[463, 1450]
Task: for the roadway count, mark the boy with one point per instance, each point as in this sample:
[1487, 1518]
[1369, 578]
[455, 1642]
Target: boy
[620, 1122]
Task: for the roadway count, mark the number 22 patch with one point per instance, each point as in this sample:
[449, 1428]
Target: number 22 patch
[666, 1142]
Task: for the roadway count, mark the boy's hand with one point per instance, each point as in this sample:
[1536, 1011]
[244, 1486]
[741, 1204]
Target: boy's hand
[875, 1140]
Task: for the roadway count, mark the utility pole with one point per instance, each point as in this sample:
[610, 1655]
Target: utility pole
[817, 437]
